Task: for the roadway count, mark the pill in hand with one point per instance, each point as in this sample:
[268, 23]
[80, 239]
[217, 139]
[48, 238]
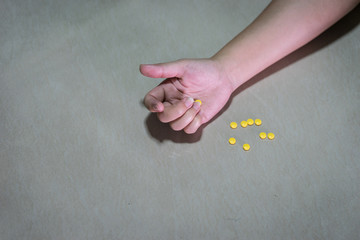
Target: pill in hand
[199, 101]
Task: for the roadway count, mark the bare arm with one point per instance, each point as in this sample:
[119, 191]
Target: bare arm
[283, 27]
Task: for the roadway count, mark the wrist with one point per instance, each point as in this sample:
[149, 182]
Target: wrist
[231, 69]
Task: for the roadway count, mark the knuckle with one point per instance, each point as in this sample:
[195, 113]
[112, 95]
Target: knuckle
[179, 111]
[194, 126]
[175, 127]
[190, 131]
[162, 117]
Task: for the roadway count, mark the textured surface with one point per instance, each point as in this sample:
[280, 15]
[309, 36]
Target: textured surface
[81, 158]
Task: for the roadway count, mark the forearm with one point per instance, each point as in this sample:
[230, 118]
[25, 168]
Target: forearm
[284, 26]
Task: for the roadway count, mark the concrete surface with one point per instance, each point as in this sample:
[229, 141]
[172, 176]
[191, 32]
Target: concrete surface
[81, 158]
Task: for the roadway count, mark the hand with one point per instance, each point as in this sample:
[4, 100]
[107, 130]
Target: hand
[186, 80]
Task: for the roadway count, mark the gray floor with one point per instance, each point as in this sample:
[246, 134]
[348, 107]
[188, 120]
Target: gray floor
[81, 158]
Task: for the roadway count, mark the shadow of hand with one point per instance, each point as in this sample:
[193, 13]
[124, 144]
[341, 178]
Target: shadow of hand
[162, 131]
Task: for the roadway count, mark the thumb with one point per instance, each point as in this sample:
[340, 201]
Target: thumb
[164, 70]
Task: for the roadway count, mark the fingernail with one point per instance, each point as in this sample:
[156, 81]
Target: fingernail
[197, 105]
[189, 102]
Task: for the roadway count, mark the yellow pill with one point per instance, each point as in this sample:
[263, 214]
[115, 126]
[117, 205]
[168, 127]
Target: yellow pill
[197, 100]
[246, 147]
[271, 136]
[244, 124]
[250, 122]
[233, 125]
[232, 141]
[262, 135]
[258, 122]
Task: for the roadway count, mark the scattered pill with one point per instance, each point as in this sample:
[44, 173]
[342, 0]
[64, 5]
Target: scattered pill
[232, 141]
[262, 135]
[271, 136]
[250, 122]
[197, 100]
[258, 122]
[246, 147]
[244, 124]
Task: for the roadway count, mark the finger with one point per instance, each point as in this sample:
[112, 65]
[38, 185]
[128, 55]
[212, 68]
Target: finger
[153, 100]
[187, 118]
[153, 104]
[194, 125]
[164, 70]
[173, 111]
[164, 92]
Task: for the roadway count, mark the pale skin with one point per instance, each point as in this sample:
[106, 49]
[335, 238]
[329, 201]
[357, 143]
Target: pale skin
[283, 27]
